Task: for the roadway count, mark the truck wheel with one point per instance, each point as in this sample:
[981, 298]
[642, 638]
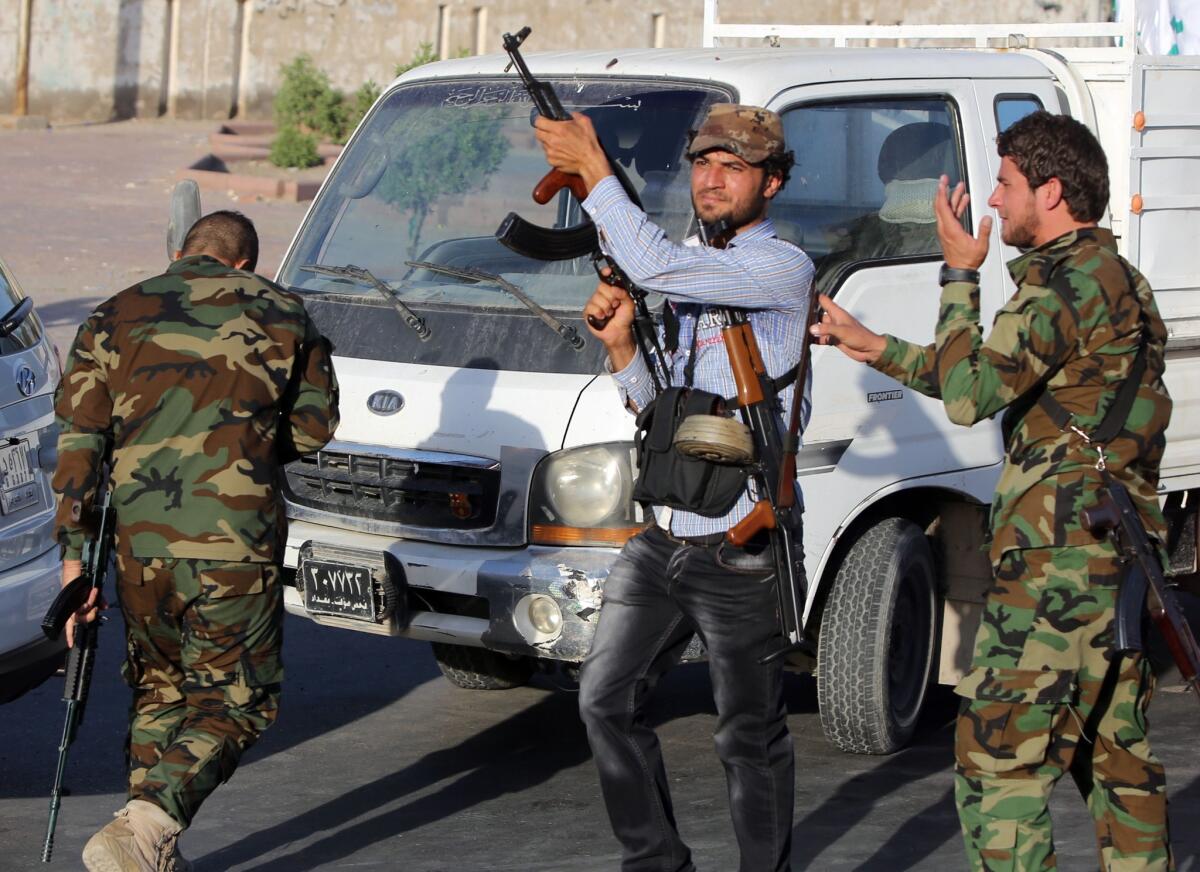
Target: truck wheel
[481, 668]
[877, 640]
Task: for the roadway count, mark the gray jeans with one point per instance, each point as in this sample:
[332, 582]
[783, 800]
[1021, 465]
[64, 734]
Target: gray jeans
[659, 592]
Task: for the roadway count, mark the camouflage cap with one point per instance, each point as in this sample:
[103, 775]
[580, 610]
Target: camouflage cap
[750, 132]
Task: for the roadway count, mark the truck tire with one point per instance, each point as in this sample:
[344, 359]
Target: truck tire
[877, 640]
[481, 668]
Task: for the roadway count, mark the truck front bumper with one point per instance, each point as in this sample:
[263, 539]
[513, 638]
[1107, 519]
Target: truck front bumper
[533, 601]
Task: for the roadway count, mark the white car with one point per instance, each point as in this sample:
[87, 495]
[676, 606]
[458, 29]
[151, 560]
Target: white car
[30, 566]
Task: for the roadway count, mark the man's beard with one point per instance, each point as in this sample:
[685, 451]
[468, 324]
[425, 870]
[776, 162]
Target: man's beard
[737, 218]
[1020, 235]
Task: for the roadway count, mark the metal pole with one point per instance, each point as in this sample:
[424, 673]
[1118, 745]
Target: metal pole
[712, 17]
[23, 34]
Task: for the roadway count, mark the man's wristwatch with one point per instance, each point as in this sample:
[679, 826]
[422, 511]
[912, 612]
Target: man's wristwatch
[950, 274]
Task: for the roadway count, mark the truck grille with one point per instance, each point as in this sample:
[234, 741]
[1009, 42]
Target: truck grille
[420, 489]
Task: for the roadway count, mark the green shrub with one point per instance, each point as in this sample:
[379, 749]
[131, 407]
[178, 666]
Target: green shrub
[423, 55]
[292, 148]
[364, 98]
[308, 102]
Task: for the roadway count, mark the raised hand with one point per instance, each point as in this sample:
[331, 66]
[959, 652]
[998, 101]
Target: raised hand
[960, 249]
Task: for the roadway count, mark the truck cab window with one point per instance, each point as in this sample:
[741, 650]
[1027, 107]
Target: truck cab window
[1011, 108]
[866, 172]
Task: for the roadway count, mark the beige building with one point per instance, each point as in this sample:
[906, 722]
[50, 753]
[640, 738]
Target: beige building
[102, 59]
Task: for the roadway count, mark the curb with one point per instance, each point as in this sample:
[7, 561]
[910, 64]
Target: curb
[245, 141]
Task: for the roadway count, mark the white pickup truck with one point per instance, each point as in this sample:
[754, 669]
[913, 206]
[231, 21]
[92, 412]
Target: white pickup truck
[479, 486]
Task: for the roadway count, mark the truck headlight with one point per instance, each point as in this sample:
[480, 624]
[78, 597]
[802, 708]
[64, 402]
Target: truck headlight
[583, 496]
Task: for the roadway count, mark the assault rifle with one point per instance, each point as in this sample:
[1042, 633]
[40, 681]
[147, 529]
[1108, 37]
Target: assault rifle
[82, 655]
[774, 469]
[1144, 585]
[542, 243]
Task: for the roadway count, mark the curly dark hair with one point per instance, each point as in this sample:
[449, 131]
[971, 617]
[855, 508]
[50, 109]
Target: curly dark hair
[1045, 146]
[779, 164]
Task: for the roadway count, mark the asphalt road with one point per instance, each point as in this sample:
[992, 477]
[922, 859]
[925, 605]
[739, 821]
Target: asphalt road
[377, 762]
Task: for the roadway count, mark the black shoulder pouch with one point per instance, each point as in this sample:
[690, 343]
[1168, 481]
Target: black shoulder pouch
[668, 478]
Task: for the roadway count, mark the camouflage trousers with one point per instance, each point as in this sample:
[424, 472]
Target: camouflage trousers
[203, 659]
[1047, 695]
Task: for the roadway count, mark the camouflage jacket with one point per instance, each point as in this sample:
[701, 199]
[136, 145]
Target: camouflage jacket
[1073, 326]
[205, 379]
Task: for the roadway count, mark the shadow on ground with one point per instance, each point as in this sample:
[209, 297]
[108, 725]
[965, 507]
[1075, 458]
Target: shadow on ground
[872, 796]
[333, 678]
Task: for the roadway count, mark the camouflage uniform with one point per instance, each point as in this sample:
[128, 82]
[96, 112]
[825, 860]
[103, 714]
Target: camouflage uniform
[204, 379]
[1046, 693]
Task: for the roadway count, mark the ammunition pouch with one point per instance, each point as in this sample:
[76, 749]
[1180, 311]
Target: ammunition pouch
[667, 477]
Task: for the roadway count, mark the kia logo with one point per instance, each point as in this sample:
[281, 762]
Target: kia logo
[26, 381]
[385, 402]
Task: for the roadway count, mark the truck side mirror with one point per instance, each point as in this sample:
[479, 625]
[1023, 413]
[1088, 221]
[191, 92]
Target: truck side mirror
[185, 211]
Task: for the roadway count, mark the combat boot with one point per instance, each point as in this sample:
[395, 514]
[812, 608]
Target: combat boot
[141, 838]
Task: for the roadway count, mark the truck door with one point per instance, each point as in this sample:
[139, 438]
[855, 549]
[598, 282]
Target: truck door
[1164, 232]
[868, 156]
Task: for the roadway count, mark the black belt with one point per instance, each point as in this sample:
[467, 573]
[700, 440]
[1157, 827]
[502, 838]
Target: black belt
[708, 540]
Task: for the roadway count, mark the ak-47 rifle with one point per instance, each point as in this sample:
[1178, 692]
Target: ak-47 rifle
[774, 469]
[543, 243]
[82, 655]
[1144, 585]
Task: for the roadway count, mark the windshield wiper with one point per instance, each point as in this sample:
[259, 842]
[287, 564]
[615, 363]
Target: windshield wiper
[569, 334]
[364, 276]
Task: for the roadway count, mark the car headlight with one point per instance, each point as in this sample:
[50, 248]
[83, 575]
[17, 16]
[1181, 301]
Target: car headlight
[584, 496]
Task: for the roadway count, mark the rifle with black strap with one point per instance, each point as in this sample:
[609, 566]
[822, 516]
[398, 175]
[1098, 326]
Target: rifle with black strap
[543, 243]
[1144, 585]
[776, 513]
[82, 655]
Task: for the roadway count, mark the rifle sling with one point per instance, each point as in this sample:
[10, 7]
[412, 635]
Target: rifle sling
[1118, 413]
[671, 345]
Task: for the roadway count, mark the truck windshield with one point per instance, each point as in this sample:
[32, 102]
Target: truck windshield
[439, 165]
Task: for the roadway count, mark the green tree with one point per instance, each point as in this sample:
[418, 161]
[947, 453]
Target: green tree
[439, 155]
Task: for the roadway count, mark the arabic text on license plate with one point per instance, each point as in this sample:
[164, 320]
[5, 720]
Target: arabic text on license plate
[338, 589]
[14, 466]
[18, 498]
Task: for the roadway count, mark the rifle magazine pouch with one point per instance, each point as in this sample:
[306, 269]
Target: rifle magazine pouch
[666, 477]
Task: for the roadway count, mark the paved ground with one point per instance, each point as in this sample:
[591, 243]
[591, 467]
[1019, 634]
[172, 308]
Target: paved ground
[83, 211]
[378, 763]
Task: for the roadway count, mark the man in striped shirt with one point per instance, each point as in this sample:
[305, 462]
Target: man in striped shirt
[667, 582]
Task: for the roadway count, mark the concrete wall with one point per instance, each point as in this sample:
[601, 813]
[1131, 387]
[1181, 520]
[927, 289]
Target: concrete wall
[94, 60]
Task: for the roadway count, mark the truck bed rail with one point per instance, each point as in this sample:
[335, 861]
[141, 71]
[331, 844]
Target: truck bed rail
[1018, 35]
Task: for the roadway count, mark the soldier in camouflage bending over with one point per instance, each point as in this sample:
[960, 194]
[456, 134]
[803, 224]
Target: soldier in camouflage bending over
[204, 380]
[1047, 693]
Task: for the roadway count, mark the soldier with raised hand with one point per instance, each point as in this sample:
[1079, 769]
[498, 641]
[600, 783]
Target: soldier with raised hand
[1047, 691]
[204, 380]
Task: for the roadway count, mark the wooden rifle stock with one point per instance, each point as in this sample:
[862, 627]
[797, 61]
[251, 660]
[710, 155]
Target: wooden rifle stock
[761, 517]
[554, 181]
[1117, 515]
[746, 362]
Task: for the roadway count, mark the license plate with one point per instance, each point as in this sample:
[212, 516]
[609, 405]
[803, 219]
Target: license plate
[338, 589]
[17, 487]
[18, 498]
